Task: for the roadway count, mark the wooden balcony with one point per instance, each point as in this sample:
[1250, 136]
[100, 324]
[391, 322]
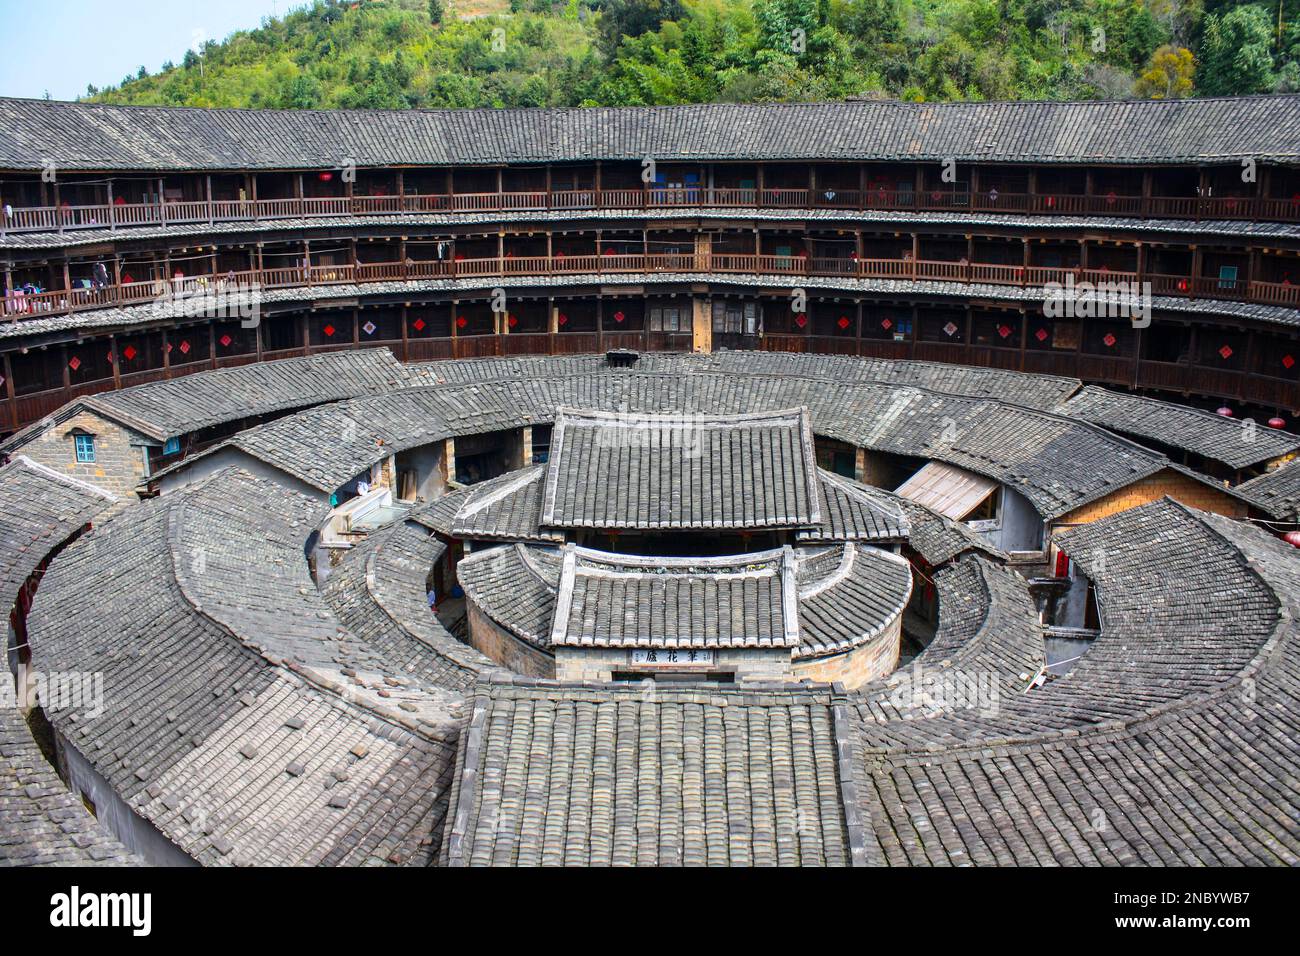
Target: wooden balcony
[116, 216]
[206, 293]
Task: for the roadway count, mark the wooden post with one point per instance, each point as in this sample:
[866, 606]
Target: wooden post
[9, 391]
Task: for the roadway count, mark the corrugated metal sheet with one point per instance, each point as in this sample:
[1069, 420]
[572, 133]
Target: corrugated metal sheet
[953, 492]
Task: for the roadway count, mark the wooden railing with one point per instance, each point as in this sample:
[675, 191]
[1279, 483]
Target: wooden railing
[121, 215]
[193, 289]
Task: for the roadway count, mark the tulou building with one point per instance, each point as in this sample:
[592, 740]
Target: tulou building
[851, 484]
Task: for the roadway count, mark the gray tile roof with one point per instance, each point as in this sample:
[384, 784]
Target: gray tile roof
[41, 823]
[506, 508]
[179, 406]
[816, 601]
[852, 511]
[379, 593]
[578, 775]
[39, 510]
[1056, 462]
[1237, 443]
[1276, 492]
[1168, 744]
[611, 600]
[98, 136]
[681, 471]
[847, 596]
[515, 585]
[242, 719]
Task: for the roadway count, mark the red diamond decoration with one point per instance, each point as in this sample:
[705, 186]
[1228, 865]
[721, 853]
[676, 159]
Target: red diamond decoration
[619, 316]
[225, 341]
[1287, 361]
[801, 320]
[418, 325]
[110, 358]
[1110, 340]
[461, 322]
[1004, 330]
[1226, 352]
[329, 331]
[185, 347]
[1041, 335]
[129, 352]
[512, 320]
[75, 363]
[950, 329]
[886, 324]
[369, 328]
[843, 322]
[562, 319]
[167, 349]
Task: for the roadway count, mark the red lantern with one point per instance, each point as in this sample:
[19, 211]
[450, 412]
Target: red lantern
[1225, 411]
[1292, 538]
[326, 176]
[1277, 423]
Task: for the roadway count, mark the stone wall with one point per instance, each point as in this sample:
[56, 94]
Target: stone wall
[601, 663]
[489, 638]
[875, 659]
[119, 464]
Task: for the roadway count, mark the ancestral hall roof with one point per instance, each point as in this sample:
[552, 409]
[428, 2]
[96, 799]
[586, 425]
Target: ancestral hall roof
[614, 600]
[681, 471]
[822, 599]
[106, 137]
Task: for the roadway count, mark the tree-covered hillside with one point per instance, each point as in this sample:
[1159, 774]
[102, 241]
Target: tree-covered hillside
[429, 53]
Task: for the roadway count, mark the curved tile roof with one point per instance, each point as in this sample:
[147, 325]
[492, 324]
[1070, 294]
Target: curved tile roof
[516, 586]
[617, 600]
[864, 592]
[379, 593]
[1276, 492]
[180, 406]
[1038, 454]
[41, 823]
[106, 137]
[1237, 443]
[234, 699]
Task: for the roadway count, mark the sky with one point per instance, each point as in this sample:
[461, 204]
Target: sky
[60, 46]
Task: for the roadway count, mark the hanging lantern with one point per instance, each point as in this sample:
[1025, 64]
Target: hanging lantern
[1225, 411]
[1276, 422]
[326, 176]
[1292, 538]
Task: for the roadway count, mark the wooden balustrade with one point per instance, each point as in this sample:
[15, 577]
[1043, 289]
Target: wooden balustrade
[113, 216]
[18, 306]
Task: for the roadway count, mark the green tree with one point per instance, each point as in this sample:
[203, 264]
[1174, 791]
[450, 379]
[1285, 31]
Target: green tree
[1236, 52]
